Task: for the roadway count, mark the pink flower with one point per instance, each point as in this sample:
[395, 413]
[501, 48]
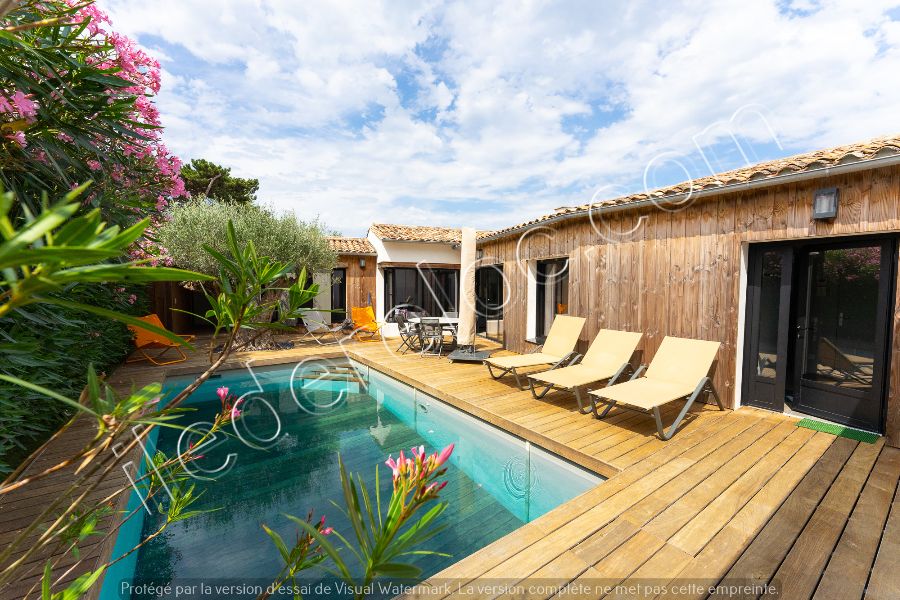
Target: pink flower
[19, 138]
[222, 393]
[94, 165]
[444, 455]
[395, 468]
[24, 105]
[327, 531]
[419, 452]
[132, 299]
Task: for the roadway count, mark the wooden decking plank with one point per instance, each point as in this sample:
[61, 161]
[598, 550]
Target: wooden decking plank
[697, 533]
[726, 546]
[762, 557]
[670, 493]
[799, 574]
[667, 562]
[558, 571]
[884, 581]
[670, 521]
[849, 566]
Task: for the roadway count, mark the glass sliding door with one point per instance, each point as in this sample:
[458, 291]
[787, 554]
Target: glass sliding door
[433, 291]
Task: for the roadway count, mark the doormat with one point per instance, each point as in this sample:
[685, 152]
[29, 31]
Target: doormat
[839, 430]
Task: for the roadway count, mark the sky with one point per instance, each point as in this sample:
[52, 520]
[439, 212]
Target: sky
[487, 114]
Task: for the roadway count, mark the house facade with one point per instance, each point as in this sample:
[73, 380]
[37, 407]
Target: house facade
[790, 264]
[352, 280]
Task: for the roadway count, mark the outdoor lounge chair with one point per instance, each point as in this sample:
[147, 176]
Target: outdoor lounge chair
[558, 350]
[364, 323]
[320, 330]
[145, 340]
[607, 359]
[680, 369]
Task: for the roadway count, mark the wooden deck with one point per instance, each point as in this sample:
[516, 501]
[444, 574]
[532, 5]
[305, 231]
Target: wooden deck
[735, 496]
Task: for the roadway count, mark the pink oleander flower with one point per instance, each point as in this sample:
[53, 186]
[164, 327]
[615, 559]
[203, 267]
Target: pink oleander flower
[24, 105]
[327, 531]
[94, 165]
[222, 393]
[444, 455]
[19, 138]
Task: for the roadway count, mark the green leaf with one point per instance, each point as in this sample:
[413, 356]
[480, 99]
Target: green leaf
[46, 392]
[326, 546]
[401, 570]
[279, 543]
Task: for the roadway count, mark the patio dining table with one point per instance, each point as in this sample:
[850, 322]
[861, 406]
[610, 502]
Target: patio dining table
[446, 322]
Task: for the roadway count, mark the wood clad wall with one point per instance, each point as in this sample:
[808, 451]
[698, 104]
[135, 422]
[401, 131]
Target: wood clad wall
[678, 272]
[360, 281]
[167, 298]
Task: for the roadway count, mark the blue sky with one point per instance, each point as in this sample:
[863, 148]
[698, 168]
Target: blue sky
[490, 113]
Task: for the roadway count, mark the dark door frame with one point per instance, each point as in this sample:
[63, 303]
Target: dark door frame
[790, 290]
[751, 315]
[881, 361]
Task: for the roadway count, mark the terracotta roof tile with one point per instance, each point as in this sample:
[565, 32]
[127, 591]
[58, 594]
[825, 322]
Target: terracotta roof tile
[420, 233]
[342, 245]
[862, 151]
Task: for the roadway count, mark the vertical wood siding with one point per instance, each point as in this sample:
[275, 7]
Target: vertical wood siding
[360, 282]
[677, 272]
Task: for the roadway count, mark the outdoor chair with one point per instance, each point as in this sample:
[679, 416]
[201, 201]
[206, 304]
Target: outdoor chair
[558, 350]
[608, 359]
[680, 369]
[432, 336]
[145, 340]
[320, 330]
[409, 334]
[364, 323]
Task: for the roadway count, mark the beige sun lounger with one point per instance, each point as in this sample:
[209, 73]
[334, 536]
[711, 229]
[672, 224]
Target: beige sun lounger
[607, 359]
[679, 370]
[558, 350]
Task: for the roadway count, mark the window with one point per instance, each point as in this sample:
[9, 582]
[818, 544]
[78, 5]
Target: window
[338, 295]
[552, 279]
[431, 290]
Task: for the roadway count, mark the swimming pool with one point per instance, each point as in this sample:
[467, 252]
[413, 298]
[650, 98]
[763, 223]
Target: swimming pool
[311, 412]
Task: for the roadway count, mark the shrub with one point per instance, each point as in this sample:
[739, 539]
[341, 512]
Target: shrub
[52, 347]
[280, 237]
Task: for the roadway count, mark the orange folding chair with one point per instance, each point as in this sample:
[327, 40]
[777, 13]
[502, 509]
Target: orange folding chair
[145, 339]
[364, 323]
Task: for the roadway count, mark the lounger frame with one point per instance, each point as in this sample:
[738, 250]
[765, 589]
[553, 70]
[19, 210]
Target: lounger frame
[582, 408]
[564, 361]
[705, 385]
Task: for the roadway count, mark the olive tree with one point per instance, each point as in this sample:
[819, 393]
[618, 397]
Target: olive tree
[201, 224]
[284, 238]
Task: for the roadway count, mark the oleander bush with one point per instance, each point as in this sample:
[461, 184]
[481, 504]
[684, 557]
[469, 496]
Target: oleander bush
[76, 105]
[52, 347]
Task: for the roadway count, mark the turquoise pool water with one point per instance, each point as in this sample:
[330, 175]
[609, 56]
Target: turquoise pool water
[496, 482]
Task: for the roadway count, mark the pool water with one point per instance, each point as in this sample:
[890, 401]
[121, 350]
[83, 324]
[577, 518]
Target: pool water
[496, 482]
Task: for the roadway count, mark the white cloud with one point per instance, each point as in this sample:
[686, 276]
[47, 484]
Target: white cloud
[490, 113]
